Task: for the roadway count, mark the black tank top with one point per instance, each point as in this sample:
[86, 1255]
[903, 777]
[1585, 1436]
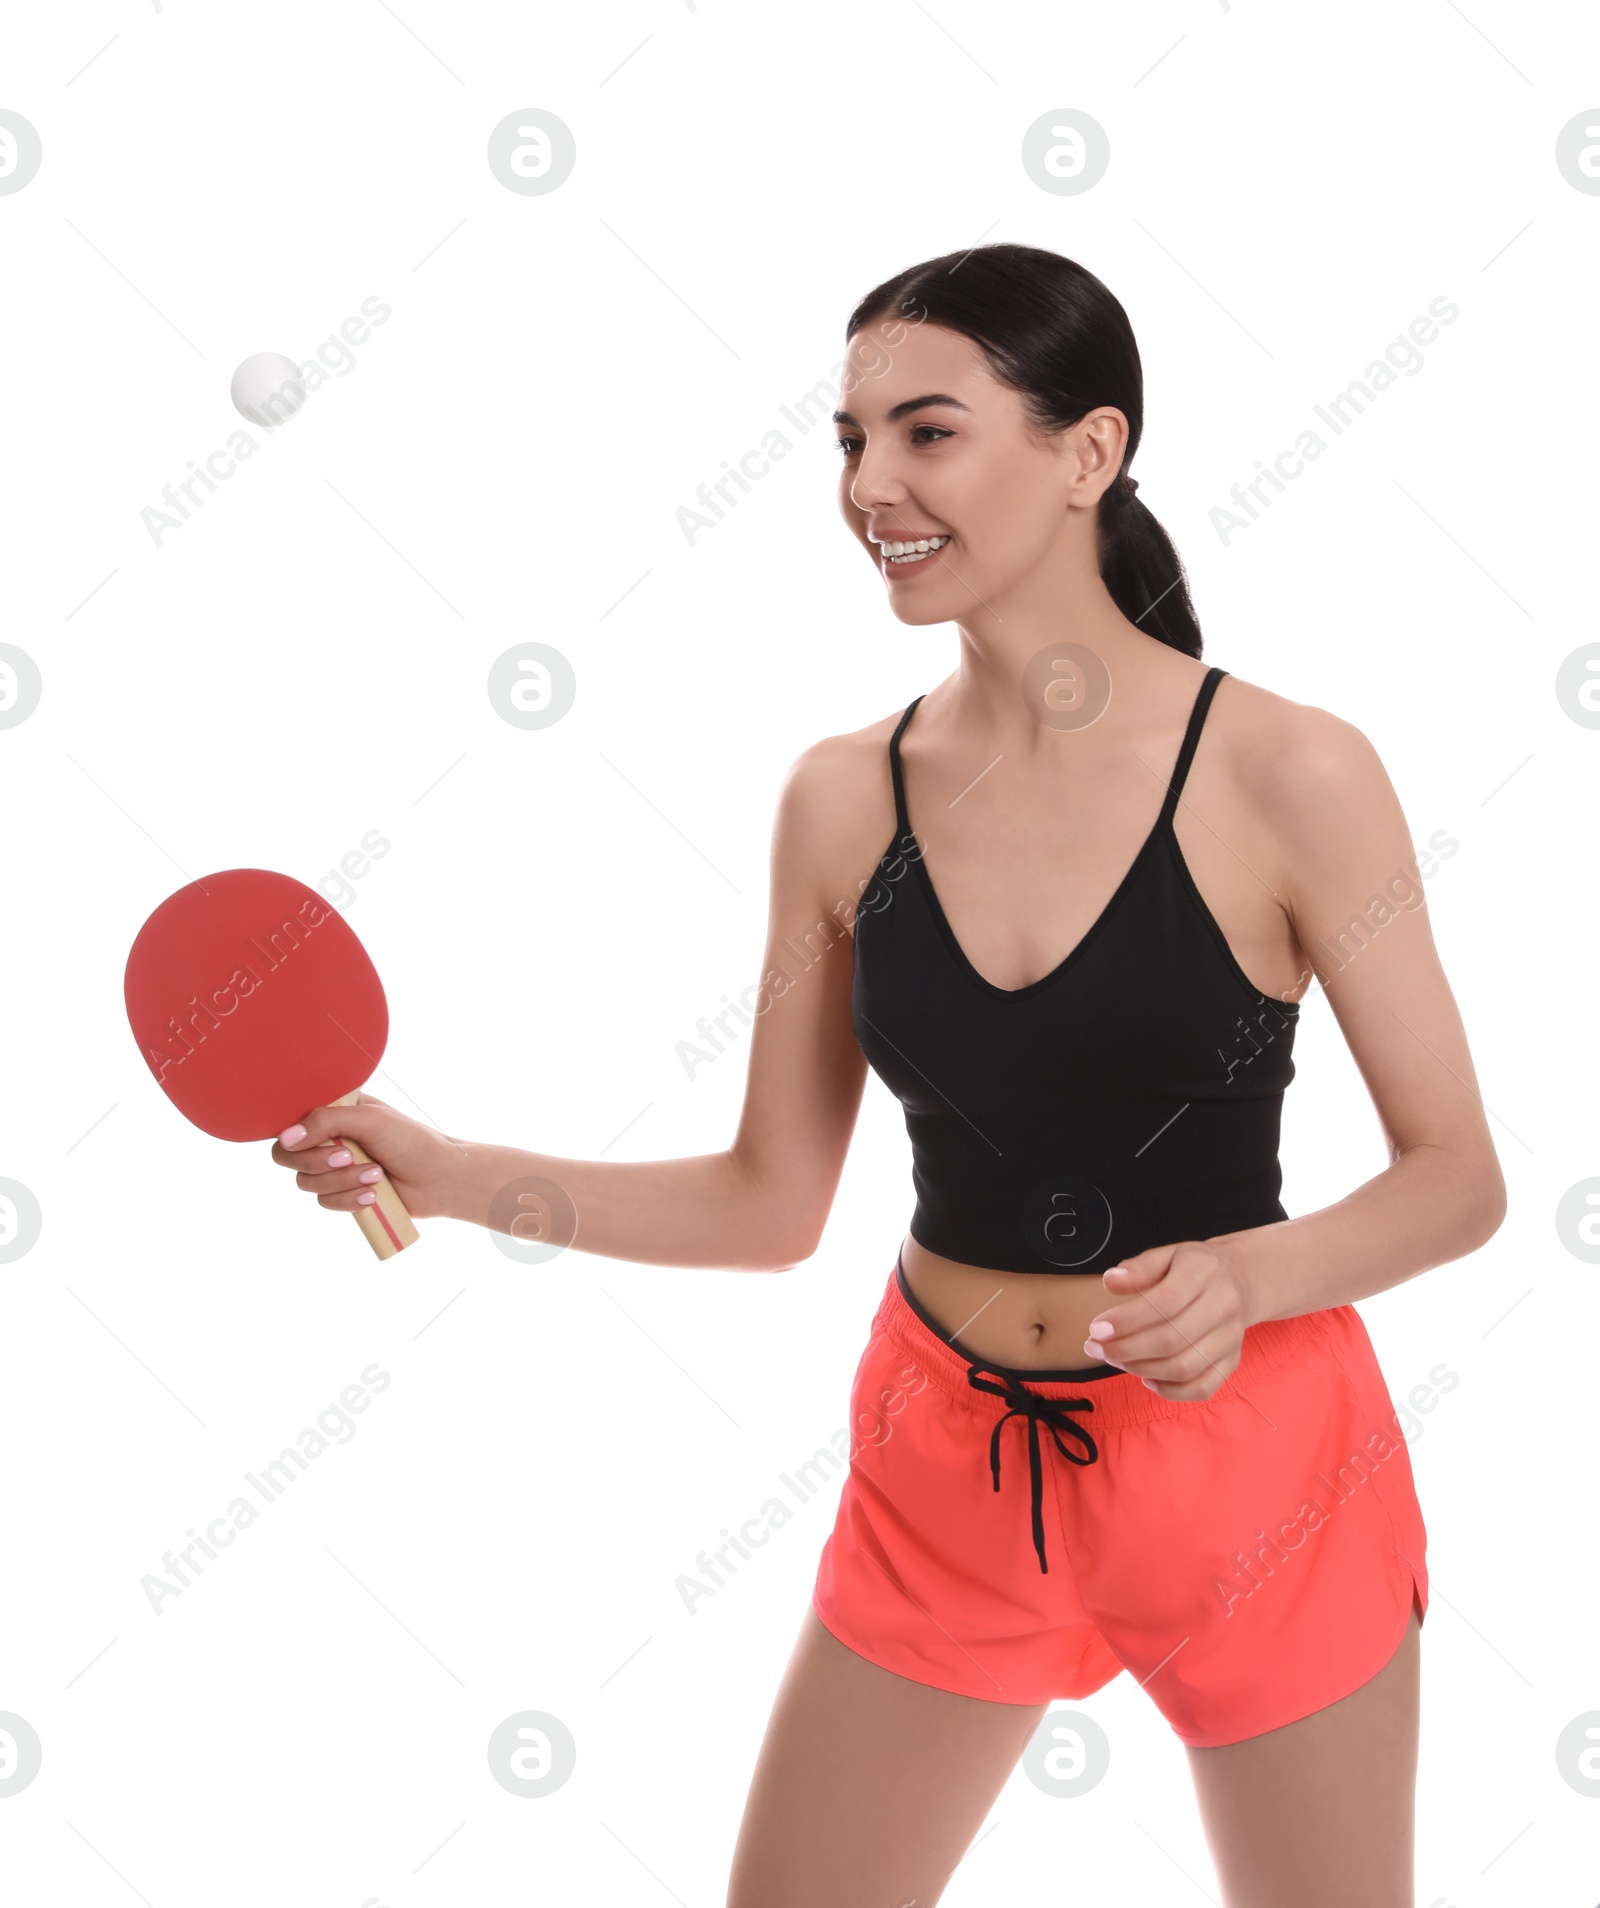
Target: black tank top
[1129, 1098]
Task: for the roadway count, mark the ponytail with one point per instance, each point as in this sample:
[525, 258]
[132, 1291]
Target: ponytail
[1135, 555]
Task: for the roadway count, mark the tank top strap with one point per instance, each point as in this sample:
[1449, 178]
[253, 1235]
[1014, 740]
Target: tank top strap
[1191, 738]
[901, 817]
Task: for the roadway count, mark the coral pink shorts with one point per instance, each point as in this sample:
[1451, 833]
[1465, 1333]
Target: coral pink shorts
[1248, 1558]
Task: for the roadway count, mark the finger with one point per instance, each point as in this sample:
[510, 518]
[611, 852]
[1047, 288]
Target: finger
[1142, 1326]
[354, 1178]
[312, 1159]
[1137, 1273]
[1195, 1371]
[1160, 1337]
[348, 1201]
[325, 1123]
[1160, 1344]
[1197, 1393]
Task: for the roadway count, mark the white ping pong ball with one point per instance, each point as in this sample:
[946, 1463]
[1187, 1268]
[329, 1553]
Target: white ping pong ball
[267, 389]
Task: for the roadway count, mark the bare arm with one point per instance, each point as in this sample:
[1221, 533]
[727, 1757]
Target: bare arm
[761, 1204]
[1355, 897]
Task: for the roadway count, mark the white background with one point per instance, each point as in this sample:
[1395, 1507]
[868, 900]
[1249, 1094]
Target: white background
[307, 657]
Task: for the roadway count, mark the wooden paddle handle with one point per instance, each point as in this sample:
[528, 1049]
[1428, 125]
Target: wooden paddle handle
[386, 1222]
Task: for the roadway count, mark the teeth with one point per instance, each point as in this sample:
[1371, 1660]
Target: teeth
[910, 552]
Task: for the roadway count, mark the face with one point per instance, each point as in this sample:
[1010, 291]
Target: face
[935, 447]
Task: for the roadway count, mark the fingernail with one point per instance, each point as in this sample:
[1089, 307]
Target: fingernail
[340, 1158]
[1092, 1348]
[292, 1135]
[370, 1174]
[1151, 1383]
[365, 1199]
[1102, 1328]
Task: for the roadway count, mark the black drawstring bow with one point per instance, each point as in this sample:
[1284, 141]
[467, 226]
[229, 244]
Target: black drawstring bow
[1033, 1406]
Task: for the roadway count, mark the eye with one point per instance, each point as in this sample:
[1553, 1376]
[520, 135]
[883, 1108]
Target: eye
[850, 446]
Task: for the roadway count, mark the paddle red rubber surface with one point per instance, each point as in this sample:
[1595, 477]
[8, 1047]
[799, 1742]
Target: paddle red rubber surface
[252, 1002]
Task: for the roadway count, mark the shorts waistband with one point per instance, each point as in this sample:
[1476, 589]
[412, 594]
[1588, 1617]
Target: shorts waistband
[1118, 1397]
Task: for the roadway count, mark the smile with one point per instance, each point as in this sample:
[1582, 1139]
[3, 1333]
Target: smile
[907, 556]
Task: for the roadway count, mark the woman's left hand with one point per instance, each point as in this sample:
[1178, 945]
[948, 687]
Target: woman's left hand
[1180, 1318]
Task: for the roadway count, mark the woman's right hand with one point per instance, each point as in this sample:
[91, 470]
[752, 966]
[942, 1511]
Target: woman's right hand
[425, 1168]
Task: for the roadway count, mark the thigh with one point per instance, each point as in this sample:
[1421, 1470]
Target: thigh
[869, 1787]
[1320, 1812]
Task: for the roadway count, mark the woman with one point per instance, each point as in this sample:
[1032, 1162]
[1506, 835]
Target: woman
[1111, 875]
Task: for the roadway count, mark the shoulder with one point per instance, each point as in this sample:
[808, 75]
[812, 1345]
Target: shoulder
[836, 802]
[1293, 756]
[1331, 820]
[840, 774]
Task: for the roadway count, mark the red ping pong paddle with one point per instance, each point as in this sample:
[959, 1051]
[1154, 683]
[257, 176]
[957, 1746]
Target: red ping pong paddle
[252, 1002]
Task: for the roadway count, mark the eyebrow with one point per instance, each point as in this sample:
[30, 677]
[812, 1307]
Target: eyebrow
[905, 410]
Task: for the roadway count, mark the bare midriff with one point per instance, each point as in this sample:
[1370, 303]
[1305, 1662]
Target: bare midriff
[1028, 1320]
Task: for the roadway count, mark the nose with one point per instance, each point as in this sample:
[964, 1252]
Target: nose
[874, 486]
